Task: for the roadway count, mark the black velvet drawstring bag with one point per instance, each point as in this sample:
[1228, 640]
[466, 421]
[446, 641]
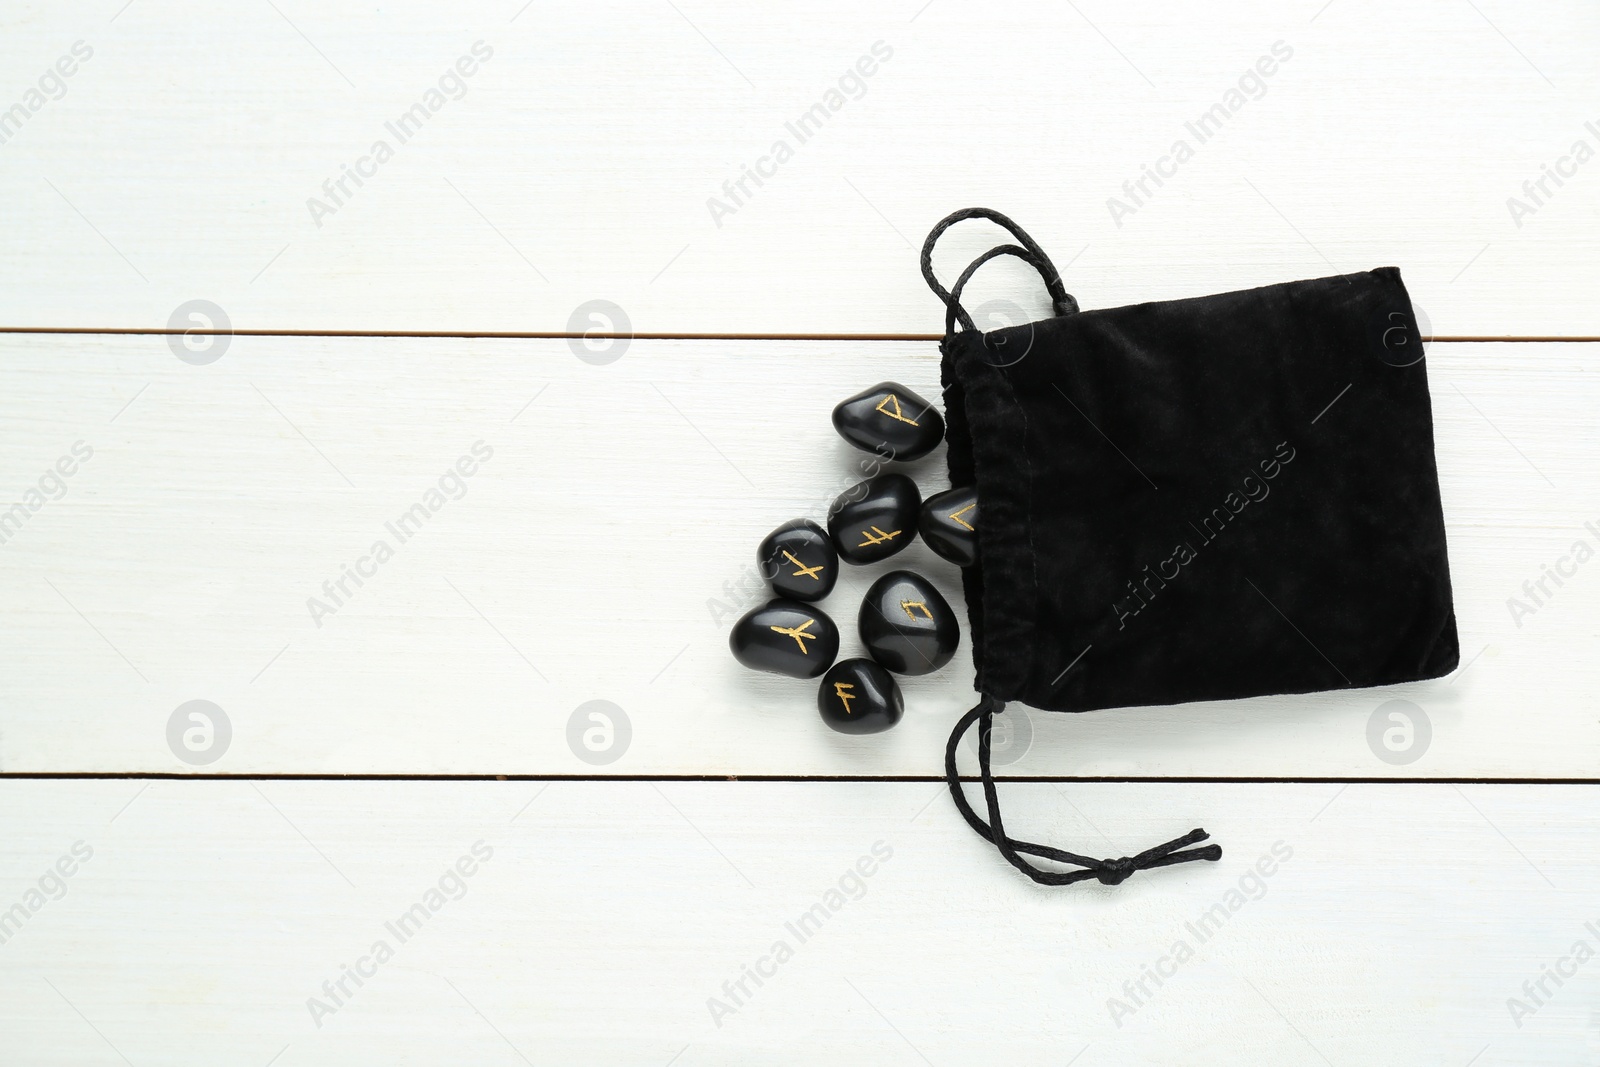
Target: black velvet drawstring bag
[1229, 496]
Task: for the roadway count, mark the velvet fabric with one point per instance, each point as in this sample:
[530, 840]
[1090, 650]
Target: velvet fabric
[1230, 496]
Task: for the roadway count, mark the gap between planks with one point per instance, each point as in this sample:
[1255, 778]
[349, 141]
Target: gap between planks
[548, 335]
[1040, 778]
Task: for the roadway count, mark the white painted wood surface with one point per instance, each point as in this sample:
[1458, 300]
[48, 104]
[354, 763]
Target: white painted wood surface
[173, 563]
[608, 914]
[606, 547]
[578, 164]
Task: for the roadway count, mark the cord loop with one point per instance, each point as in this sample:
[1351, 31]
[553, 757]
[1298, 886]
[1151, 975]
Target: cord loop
[1107, 872]
[1060, 300]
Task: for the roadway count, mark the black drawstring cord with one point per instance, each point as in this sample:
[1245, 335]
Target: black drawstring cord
[1109, 872]
[1060, 300]
[954, 312]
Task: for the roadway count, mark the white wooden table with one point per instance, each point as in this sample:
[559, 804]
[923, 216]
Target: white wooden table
[395, 761]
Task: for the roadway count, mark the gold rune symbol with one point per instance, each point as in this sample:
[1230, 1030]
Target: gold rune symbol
[880, 537]
[798, 632]
[955, 516]
[896, 414]
[844, 698]
[907, 605]
[809, 572]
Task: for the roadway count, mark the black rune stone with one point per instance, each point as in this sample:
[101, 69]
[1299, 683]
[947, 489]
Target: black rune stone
[907, 625]
[890, 421]
[949, 523]
[785, 637]
[859, 697]
[799, 561]
[874, 519]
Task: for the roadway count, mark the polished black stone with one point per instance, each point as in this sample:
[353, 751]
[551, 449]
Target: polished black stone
[889, 420]
[907, 625]
[785, 637]
[949, 523]
[874, 519]
[859, 697]
[799, 561]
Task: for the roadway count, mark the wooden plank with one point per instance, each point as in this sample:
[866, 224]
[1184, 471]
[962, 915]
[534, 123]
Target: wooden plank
[1393, 924]
[181, 159]
[605, 546]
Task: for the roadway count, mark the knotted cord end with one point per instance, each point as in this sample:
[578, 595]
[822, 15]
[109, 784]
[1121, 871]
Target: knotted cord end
[1115, 872]
[1107, 872]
